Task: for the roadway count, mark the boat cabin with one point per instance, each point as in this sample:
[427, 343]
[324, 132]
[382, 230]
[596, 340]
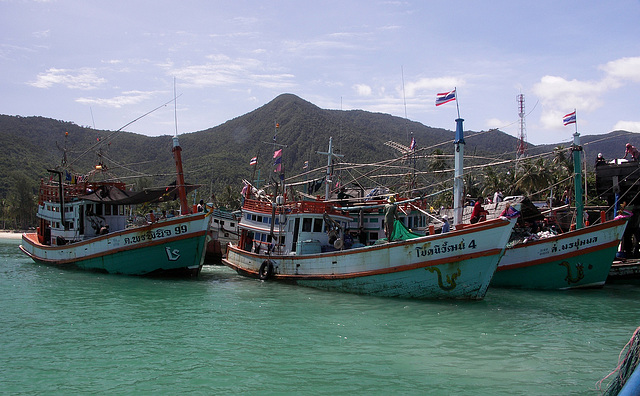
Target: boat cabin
[302, 227]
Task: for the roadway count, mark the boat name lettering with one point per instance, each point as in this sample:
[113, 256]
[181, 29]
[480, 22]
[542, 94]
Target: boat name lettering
[156, 234]
[577, 244]
[444, 247]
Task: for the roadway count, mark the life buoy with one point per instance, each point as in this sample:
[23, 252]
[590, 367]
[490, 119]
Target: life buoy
[266, 270]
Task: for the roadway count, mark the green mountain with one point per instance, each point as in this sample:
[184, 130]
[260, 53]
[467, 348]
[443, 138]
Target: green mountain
[219, 157]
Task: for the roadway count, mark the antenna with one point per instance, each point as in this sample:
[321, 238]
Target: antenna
[522, 134]
[175, 106]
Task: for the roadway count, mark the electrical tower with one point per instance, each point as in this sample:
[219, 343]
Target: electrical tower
[522, 134]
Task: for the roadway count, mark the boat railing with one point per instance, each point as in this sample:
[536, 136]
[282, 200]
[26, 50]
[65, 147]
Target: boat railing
[50, 191]
[290, 207]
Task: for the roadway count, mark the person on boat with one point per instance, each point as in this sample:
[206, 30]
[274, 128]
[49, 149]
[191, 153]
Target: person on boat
[630, 149]
[200, 206]
[362, 235]
[343, 197]
[600, 160]
[446, 227]
[390, 215]
[497, 197]
[509, 212]
[348, 239]
[478, 213]
[566, 196]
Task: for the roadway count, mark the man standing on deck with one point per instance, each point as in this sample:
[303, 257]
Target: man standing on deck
[390, 215]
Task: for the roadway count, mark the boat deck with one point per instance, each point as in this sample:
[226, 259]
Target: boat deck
[623, 271]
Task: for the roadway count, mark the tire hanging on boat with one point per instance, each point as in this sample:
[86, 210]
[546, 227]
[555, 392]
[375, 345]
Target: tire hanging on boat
[266, 270]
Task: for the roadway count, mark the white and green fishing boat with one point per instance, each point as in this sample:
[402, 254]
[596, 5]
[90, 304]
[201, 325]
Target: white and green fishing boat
[302, 242]
[84, 225]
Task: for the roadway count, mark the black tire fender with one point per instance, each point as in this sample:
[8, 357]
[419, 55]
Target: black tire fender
[266, 270]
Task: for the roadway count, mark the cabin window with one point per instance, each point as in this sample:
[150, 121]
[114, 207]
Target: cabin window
[281, 240]
[232, 225]
[373, 236]
[317, 225]
[259, 219]
[373, 220]
[98, 210]
[306, 225]
[248, 216]
[221, 222]
[69, 225]
[107, 210]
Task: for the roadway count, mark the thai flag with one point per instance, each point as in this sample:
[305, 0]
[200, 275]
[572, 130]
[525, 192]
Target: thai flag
[569, 118]
[253, 161]
[412, 146]
[445, 97]
[277, 153]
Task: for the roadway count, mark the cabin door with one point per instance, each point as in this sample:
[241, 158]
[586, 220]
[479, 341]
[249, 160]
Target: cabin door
[296, 230]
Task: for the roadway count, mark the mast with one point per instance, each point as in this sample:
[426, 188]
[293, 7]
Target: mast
[576, 150]
[458, 183]
[182, 193]
[330, 156]
[176, 150]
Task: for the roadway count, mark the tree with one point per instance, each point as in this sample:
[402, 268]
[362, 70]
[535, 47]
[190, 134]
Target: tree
[22, 203]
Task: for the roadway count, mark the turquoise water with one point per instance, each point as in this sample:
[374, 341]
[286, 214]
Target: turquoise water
[70, 332]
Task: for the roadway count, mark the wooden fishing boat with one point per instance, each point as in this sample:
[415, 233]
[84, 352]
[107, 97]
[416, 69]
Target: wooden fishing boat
[300, 249]
[84, 225]
[575, 259]
[223, 230]
[303, 242]
[579, 258]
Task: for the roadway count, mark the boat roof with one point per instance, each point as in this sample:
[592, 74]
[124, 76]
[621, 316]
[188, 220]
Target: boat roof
[112, 195]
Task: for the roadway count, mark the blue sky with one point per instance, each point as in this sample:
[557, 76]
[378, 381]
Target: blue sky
[105, 63]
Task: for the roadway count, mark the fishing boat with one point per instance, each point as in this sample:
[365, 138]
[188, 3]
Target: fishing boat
[84, 225]
[223, 230]
[579, 258]
[303, 242]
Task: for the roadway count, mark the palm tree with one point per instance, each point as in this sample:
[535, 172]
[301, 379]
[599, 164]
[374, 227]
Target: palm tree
[535, 176]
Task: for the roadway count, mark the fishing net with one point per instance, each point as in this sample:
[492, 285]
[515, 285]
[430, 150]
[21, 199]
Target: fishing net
[626, 367]
[402, 233]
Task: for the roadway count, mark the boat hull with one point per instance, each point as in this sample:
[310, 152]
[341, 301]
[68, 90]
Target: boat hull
[171, 247]
[456, 265]
[576, 259]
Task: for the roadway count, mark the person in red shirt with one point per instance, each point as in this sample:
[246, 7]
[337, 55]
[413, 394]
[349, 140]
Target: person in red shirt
[635, 154]
[478, 213]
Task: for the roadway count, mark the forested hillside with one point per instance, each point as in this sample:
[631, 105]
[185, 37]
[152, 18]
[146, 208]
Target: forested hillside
[218, 158]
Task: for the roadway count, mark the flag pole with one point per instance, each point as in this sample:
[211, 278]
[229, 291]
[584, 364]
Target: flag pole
[455, 89]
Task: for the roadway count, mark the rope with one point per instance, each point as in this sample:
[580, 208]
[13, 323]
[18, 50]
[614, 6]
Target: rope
[625, 366]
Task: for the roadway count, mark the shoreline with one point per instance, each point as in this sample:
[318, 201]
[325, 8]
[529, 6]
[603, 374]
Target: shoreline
[4, 234]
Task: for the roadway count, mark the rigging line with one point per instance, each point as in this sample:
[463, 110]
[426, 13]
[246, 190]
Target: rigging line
[118, 165]
[118, 130]
[139, 176]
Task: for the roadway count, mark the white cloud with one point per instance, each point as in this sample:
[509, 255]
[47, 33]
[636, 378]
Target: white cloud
[362, 89]
[222, 70]
[432, 86]
[84, 78]
[624, 69]
[560, 96]
[493, 123]
[126, 99]
[631, 126]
